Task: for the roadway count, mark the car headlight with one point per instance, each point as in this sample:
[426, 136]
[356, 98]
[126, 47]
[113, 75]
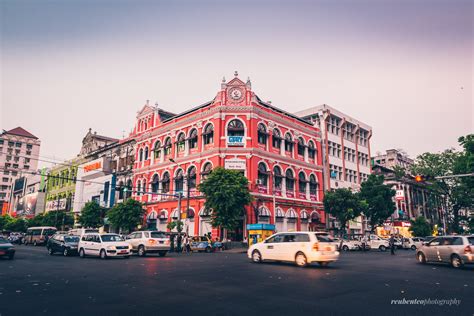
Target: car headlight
[111, 248]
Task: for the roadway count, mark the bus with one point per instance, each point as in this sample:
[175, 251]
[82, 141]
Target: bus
[38, 235]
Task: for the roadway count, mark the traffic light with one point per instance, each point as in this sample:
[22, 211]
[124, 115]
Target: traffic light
[419, 178]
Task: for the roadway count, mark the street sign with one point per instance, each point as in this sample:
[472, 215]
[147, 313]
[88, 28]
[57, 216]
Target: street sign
[400, 195]
[235, 164]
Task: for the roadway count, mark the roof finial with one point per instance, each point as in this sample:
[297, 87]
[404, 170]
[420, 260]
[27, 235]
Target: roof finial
[147, 102]
[236, 73]
[223, 79]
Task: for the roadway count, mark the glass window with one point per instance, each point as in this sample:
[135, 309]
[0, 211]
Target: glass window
[193, 139]
[302, 182]
[206, 171]
[290, 180]
[208, 135]
[191, 178]
[110, 238]
[457, 241]
[180, 142]
[157, 150]
[289, 238]
[165, 182]
[262, 134]
[178, 181]
[276, 139]
[146, 153]
[140, 155]
[167, 146]
[301, 238]
[155, 183]
[275, 239]
[301, 146]
[311, 150]
[235, 128]
[288, 143]
[262, 174]
[313, 185]
[277, 177]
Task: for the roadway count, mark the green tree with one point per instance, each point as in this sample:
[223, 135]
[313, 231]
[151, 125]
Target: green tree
[126, 215]
[58, 219]
[36, 221]
[92, 215]
[4, 221]
[175, 224]
[344, 205]
[399, 172]
[379, 200]
[17, 225]
[420, 227]
[226, 193]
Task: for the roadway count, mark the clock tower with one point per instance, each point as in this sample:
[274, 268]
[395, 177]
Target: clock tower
[236, 92]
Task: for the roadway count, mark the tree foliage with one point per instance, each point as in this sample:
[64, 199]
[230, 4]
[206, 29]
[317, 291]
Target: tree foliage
[92, 215]
[127, 215]
[176, 224]
[420, 227]
[343, 204]
[227, 194]
[378, 198]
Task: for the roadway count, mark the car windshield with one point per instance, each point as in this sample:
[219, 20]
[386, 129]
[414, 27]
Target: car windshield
[71, 239]
[110, 238]
[324, 238]
[471, 240]
[157, 235]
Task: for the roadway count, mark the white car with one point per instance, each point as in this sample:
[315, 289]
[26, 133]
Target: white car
[302, 248]
[144, 242]
[417, 242]
[350, 244]
[104, 246]
[375, 242]
[334, 241]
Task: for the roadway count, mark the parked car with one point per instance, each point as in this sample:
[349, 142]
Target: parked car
[418, 242]
[81, 231]
[144, 242]
[350, 244]
[6, 249]
[103, 245]
[335, 241]
[456, 250]
[375, 242]
[38, 235]
[204, 243]
[302, 248]
[408, 243]
[63, 243]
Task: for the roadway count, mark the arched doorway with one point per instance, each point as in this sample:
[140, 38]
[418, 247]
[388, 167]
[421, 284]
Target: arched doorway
[151, 220]
[290, 219]
[205, 226]
[279, 220]
[163, 220]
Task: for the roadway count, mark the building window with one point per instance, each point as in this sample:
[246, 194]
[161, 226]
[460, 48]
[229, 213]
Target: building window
[180, 142]
[144, 190]
[277, 178]
[15, 165]
[302, 182]
[18, 144]
[311, 150]
[301, 146]
[157, 150]
[179, 181]
[167, 147]
[288, 143]
[333, 125]
[262, 174]
[1, 141]
[262, 134]
[235, 128]
[191, 178]
[276, 139]
[140, 155]
[11, 144]
[165, 183]
[29, 146]
[208, 135]
[146, 153]
[206, 171]
[139, 187]
[155, 183]
[120, 190]
[193, 139]
[290, 180]
[313, 185]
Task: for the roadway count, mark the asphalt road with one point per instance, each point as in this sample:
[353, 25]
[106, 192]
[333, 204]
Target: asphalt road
[35, 283]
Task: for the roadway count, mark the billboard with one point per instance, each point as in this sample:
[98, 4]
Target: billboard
[56, 205]
[26, 206]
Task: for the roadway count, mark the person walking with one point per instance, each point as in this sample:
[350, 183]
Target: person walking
[364, 243]
[392, 244]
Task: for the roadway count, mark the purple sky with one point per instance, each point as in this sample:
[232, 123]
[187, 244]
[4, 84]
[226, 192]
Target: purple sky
[403, 67]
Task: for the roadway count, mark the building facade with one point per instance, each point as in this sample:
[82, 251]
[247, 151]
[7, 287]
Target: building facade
[346, 152]
[278, 152]
[29, 195]
[19, 154]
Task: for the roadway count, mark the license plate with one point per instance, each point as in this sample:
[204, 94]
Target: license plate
[162, 242]
[123, 251]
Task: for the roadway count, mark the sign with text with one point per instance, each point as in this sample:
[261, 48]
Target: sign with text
[235, 141]
[93, 166]
[56, 205]
[400, 195]
[235, 164]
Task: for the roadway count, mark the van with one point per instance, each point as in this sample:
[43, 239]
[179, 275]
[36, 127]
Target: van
[81, 231]
[38, 235]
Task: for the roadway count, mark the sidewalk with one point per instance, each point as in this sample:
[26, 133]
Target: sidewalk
[236, 250]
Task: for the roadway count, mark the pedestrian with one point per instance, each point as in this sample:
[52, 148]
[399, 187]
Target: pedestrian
[392, 244]
[364, 243]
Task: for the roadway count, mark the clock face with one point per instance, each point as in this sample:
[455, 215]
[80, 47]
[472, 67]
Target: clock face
[235, 94]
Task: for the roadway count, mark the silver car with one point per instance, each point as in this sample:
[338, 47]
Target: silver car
[456, 250]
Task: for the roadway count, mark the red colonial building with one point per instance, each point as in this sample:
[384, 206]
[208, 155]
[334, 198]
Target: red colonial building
[278, 152]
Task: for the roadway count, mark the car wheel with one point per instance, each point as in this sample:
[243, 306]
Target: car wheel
[208, 249]
[10, 256]
[421, 257]
[413, 247]
[345, 248]
[256, 256]
[65, 252]
[50, 251]
[141, 251]
[300, 260]
[383, 248]
[103, 254]
[323, 263]
[456, 261]
[82, 254]
[162, 253]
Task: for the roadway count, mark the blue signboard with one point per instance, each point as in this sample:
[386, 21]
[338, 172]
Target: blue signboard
[235, 141]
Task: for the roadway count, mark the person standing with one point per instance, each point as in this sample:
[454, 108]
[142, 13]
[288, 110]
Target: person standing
[392, 244]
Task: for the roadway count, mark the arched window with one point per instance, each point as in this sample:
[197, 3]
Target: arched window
[144, 190]
[139, 187]
[179, 181]
[193, 139]
[167, 147]
[206, 171]
[180, 142]
[165, 183]
[66, 176]
[235, 128]
[146, 153]
[301, 146]
[288, 143]
[302, 182]
[276, 138]
[277, 177]
[155, 183]
[290, 180]
[313, 185]
[140, 154]
[191, 178]
[157, 150]
[208, 135]
[262, 174]
[311, 150]
[129, 189]
[121, 189]
[262, 134]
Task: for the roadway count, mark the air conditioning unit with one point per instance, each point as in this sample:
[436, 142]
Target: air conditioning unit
[258, 182]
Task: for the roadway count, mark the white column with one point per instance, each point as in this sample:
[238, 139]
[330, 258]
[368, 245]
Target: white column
[186, 147]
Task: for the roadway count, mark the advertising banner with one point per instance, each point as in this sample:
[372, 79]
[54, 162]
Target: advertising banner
[235, 141]
[27, 205]
[56, 205]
